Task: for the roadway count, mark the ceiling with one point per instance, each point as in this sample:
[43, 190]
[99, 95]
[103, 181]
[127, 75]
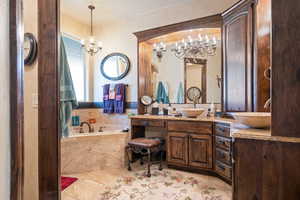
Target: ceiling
[109, 11]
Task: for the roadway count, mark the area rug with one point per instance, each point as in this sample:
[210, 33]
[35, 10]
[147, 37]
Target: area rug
[163, 185]
[67, 181]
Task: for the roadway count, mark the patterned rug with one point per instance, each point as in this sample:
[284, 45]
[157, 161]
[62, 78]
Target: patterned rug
[163, 185]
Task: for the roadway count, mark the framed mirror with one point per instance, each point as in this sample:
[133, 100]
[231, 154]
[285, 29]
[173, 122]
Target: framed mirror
[115, 66]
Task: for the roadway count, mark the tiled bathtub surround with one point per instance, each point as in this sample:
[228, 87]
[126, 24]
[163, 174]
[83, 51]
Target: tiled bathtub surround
[92, 152]
[108, 121]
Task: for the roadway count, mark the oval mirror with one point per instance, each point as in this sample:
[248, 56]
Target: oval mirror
[115, 66]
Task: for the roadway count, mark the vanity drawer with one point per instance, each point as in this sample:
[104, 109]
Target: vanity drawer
[222, 130]
[223, 143]
[223, 156]
[191, 127]
[223, 170]
[144, 122]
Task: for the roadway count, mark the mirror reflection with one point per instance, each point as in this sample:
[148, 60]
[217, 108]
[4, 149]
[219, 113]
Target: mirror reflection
[197, 67]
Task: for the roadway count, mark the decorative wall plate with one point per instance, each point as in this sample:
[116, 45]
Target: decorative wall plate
[30, 49]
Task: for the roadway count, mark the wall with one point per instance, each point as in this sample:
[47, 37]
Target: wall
[30, 111]
[4, 103]
[117, 36]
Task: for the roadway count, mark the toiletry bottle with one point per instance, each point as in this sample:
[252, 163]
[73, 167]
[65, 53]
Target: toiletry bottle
[212, 109]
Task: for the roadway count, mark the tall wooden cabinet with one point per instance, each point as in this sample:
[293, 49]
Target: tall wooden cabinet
[238, 57]
[246, 56]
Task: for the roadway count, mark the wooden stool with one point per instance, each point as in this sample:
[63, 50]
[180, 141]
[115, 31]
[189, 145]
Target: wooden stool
[145, 146]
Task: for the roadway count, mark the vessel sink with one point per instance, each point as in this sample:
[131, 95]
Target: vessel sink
[253, 119]
[192, 112]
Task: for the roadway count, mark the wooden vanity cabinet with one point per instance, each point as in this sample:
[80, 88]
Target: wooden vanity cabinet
[223, 151]
[177, 148]
[266, 170]
[200, 151]
[190, 144]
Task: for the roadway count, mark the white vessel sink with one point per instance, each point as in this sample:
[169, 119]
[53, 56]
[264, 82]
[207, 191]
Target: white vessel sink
[192, 112]
[253, 119]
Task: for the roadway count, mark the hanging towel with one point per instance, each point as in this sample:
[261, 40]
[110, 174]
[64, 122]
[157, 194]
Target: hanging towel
[180, 94]
[112, 91]
[120, 98]
[68, 100]
[108, 104]
[161, 94]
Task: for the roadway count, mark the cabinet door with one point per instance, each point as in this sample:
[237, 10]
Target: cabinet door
[238, 55]
[177, 148]
[200, 151]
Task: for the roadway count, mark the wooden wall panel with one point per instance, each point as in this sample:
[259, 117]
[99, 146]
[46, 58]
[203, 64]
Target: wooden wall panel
[286, 68]
[262, 58]
[16, 31]
[144, 73]
[48, 84]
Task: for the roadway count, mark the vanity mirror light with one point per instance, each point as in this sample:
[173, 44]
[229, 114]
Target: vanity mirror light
[115, 66]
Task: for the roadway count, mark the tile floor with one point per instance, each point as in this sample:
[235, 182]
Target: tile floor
[169, 184]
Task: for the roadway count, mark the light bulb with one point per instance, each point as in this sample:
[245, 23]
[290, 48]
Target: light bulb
[91, 40]
[200, 38]
[82, 42]
[207, 39]
[100, 44]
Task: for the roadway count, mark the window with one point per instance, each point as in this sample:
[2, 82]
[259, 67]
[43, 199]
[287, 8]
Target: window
[76, 60]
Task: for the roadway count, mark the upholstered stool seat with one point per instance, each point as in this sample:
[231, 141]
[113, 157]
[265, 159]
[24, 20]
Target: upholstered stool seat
[145, 147]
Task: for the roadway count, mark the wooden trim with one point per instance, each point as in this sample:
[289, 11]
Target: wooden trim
[213, 21]
[16, 32]
[240, 4]
[285, 60]
[203, 78]
[48, 81]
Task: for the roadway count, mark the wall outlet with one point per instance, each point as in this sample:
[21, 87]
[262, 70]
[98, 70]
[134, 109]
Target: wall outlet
[35, 100]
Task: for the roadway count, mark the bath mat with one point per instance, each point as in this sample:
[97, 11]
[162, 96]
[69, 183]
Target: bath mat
[67, 181]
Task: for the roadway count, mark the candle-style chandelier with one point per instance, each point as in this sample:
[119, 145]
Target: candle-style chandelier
[195, 48]
[92, 46]
[200, 47]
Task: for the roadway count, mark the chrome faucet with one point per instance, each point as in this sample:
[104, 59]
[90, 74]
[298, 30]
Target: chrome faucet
[88, 124]
[268, 103]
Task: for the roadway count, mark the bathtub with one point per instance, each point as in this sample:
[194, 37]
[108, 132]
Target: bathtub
[85, 152]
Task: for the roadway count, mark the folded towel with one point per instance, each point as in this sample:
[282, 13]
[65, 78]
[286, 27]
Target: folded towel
[120, 98]
[108, 104]
[112, 92]
[161, 94]
[180, 94]
[67, 93]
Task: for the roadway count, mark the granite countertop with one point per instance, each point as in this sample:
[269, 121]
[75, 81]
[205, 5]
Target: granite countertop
[199, 119]
[236, 130]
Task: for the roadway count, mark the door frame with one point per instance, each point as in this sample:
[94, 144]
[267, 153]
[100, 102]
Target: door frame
[16, 32]
[48, 89]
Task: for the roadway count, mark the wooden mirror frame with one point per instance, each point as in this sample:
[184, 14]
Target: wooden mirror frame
[145, 49]
[203, 88]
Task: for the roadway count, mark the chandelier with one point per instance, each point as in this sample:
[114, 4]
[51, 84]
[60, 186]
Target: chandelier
[92, 47]
[195, 48]
[159, 49]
